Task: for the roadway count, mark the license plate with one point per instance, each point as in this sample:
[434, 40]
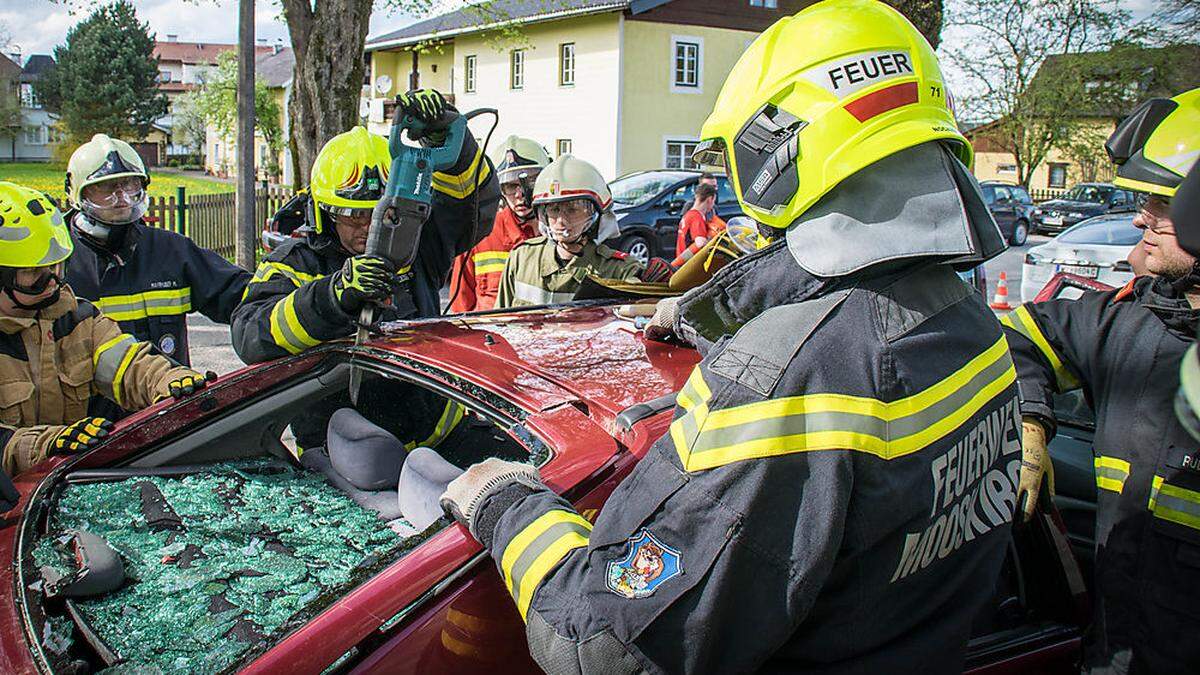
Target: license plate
[1082, 270]
[1053, 220]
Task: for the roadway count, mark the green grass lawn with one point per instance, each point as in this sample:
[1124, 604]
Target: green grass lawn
[49, 179]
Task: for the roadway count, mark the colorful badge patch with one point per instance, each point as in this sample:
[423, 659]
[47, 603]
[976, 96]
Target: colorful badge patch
[646, 565]
[167, 344]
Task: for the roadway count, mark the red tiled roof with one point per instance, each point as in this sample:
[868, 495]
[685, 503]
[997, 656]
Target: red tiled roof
[197, 52]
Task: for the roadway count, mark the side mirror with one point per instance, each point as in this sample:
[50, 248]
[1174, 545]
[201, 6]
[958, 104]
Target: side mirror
[675, 206]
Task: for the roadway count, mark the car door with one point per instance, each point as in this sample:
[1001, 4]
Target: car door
[1004, 210]
[1121, 201]
[1075, 474]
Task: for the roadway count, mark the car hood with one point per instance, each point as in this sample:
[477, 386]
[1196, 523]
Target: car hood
[1070, 205]
[538, 355]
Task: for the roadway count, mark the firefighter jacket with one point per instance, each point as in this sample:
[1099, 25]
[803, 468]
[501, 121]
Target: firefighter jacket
[53, 363]
[535, 276]
[835, 493]
[289, 304]
[151, 283]
[475, 279]
[1123, 349]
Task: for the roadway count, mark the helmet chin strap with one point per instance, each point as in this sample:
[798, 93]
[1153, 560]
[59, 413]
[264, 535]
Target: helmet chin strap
[40, 304]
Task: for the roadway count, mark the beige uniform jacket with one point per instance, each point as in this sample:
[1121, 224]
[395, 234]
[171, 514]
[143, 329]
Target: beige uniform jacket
[51, 364]
[533, 274]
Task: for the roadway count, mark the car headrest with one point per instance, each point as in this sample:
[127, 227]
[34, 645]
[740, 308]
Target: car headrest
[365, 454]
[423, 479]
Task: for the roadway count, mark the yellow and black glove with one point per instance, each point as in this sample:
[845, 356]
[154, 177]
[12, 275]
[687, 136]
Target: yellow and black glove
[80, 436]
[1035, 464]
[189, 384]
[362, 279]
[427, 105]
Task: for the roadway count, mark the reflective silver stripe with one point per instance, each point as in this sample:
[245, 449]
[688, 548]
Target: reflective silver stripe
[535, 295]
[539, 546]
[108, 362]
[886, 430]
[279, 320]
[124, 306]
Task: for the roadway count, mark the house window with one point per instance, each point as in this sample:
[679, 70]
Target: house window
[566, 64]
[769, 4]
[687, 66]
[562, 147]
[1057, 178]
[678, 154]
[1006, 168]
[469, 66]
[28, 99]
[516, 78]
[36, 135]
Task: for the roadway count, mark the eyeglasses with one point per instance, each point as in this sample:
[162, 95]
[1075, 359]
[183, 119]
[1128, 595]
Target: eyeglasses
[1155, 213]
[513, 189]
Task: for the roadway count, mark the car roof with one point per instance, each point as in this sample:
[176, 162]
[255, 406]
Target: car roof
[546, 357]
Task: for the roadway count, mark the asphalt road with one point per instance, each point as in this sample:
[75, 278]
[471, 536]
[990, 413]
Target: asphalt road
[1010, 262]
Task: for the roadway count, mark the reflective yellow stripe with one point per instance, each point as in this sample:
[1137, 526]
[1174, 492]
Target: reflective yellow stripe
[490, 262]
[269, 269]
[1024, 324]
[530, 555]
[1111, 473]
[705, 440]
[452, 414]
[119, 379]
[109, 362]
[1174, 503]
[460, 186]
[169, 302]
[286, 329]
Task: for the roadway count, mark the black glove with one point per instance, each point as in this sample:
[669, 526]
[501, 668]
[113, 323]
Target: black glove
[80, 436]
[9, 496]
[362, 279]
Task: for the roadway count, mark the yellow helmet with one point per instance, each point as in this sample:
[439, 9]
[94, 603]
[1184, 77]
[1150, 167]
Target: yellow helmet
[101, 159]
[818, 97]
[1157, 144]
[32, 231]
[349, 174]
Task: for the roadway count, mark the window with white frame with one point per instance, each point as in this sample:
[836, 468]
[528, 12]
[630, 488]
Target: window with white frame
[566, 64]
[678, 154]
[1006, 168]
[38, 135]
[470, 66]
[688, 64]
[769, 4]
[28, 98]
[562, 147]
[516, 77]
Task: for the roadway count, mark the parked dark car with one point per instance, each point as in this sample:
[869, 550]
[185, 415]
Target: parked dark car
[1012, 208]
[1080, 203]
[649, 204]
[286, 223]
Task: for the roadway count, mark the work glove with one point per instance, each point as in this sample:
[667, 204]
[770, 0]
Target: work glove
[661, 327]
[362, 279]
[189, 384]
[465, 494]
[429, 106]
[1035, 463]
[9, 495]
[80, 436]
[657, 270]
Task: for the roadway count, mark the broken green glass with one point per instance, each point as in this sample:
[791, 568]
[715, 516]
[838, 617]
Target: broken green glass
[223, 565]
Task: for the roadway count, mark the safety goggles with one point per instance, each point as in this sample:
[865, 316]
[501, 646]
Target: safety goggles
[571, 211]
[110, 194]
[349, 216]
[31, 280]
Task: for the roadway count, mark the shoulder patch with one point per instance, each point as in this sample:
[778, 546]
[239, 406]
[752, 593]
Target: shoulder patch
[646, 564]
[1126, 292]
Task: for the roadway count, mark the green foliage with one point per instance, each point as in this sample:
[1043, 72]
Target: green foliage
[48, 177]
[106, 77]
[216, 103]
[188, 123]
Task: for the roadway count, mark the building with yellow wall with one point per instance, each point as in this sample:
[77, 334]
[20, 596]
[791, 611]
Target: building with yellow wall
[625, 84]
[220, 152]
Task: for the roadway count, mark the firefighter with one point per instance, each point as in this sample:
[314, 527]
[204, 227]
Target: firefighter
[1124, 349]
[57, 351]
[311, 290]
[574, 211]
[837, 488]
[475, 280]
[146, 278]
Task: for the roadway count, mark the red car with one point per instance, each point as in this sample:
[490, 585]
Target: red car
[238, 558]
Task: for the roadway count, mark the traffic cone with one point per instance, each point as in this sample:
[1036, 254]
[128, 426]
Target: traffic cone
[1000, 301]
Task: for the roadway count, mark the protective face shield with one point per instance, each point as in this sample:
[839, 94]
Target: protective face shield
[518, 193]
[568, 222]
[119, 201]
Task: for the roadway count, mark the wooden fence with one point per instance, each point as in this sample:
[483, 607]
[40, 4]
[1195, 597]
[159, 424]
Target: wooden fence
[1043, 195]
[211, 220]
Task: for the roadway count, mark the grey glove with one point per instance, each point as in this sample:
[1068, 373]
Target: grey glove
[661, 327]
[466, 493]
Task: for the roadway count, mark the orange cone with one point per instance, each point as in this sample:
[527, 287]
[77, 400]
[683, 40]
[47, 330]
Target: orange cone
[1000, 301]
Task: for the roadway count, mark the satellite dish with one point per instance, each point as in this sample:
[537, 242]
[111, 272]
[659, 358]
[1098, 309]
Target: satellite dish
[383, 84]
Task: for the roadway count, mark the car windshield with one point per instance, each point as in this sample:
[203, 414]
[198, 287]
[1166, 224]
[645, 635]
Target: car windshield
[1088, 193]
[1104, 230]
[638, 188]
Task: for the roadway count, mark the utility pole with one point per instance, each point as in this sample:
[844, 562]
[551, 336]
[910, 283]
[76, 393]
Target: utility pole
[247, 228]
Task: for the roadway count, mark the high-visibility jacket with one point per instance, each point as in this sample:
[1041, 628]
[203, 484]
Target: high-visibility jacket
[153, 282]
[835, 494]
[289, 304]
[1123, 349]
[535, 276]
[475, 279]
[51, 364]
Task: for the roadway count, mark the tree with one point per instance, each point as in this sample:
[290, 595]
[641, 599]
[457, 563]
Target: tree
[926, 15]
[189, 127]
[1033, 64]
[10, 99]
[1181, 18]
[216, 103]
[106, 77]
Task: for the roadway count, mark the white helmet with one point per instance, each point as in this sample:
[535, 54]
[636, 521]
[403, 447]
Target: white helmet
[569, 178]
[517, 155]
